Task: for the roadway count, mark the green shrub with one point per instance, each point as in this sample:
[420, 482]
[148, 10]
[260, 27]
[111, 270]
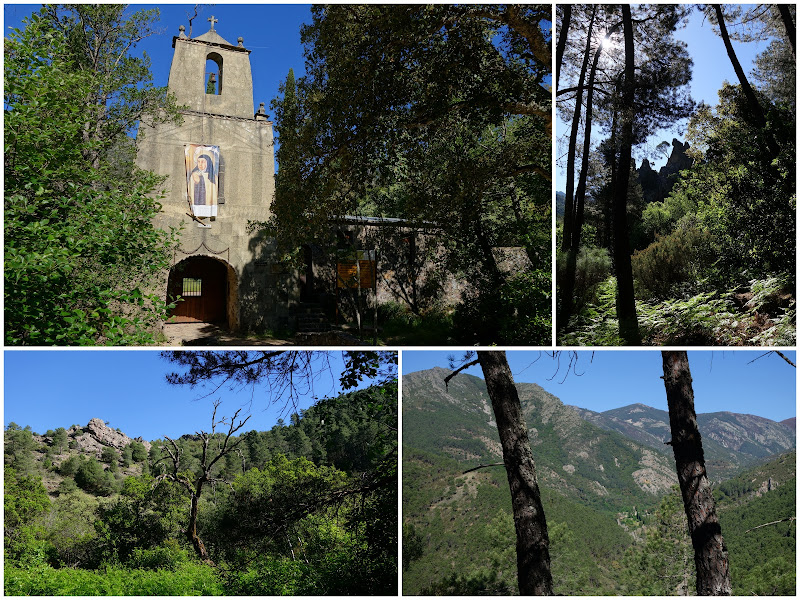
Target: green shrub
[597, 324]
[109, 455]
[592, 266]
[167, 556]
[398, 322]
[518, 312]
[703, 319]
[190, 579]
[670, 260]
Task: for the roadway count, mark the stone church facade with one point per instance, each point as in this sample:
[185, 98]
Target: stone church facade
[222, 271]
[226, 274]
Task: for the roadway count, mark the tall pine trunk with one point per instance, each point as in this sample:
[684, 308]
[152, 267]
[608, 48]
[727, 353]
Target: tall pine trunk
[788, 24]
[710, 553]
[626, 303]
[533, 554]
[568, 280]
[752, 99]
[562, 39]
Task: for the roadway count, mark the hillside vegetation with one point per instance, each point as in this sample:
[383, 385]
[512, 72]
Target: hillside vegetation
[619, 529]
[293, 509]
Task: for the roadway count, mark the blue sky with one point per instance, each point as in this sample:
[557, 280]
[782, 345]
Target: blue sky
[47, 389]
[270, 31]
[711, 68]
[722, 380]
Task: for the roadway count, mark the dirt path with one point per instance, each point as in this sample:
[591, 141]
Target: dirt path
[206, 334]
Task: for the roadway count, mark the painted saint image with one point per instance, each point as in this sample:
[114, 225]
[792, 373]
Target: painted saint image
[202, 166]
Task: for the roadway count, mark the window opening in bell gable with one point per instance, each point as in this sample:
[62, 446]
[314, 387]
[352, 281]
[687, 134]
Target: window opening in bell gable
[213, 74]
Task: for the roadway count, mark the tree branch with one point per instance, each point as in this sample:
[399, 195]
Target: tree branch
[770, 523]
[483, 467]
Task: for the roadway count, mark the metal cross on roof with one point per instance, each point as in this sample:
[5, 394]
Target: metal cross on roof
[212, 20]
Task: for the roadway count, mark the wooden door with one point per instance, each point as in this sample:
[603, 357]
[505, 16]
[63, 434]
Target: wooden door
[202, 282]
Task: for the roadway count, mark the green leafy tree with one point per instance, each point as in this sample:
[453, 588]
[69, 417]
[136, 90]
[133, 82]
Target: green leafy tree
[109, 455]
[80, 247]
[127, 456]
[663, 565]
[456, 138]
[138, 451]
[60, 440]
[25, 500]
[18, 448]
[91, 477]
[145, 515]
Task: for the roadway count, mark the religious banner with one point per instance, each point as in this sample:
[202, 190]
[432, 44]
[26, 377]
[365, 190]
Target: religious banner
[202, 169]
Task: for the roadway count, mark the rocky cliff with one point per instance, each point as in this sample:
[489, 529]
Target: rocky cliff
[97, 435]
[657, 185]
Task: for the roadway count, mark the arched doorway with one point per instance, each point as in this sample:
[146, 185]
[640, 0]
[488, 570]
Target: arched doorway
[202, 283]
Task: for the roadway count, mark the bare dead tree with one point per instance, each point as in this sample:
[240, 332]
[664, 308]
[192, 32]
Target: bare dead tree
[210, 457]
[192, 18]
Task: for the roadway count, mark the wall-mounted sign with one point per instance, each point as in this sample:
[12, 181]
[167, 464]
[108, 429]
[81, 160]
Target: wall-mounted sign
[202, 169]
[356, 269]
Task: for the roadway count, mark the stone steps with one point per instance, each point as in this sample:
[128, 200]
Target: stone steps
[311, 318]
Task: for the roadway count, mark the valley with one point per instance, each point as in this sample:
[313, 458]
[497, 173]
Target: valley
[607, 489]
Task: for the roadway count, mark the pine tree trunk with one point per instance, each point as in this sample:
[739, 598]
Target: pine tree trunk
[626, 303]
[755, 107]
[788, 24]
[569, 211]
[710, 553]
[568, 286]
[562, 39]
[533, 554]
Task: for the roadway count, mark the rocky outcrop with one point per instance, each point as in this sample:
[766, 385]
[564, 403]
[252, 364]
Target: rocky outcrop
[657, 185]
[97, 435]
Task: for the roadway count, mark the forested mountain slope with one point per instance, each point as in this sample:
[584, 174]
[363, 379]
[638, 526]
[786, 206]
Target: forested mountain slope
[599, 467]
[610, 532]
[731, 441]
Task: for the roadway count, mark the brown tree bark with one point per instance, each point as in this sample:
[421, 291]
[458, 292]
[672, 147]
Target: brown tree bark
[626, 303]
[569, 211]
[752, 101]
[574, 241]
[710, 553]
[191, 531]
[533, 554]
[562, 39]
[207, 462]
[788, 24]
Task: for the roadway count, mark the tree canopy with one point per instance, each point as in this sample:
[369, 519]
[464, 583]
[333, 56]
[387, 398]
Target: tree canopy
[438, 115]
[81, 253]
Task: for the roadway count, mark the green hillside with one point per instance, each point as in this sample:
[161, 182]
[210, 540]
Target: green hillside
[615, 475]
[631, 539]
[284, 514]
[463, 527]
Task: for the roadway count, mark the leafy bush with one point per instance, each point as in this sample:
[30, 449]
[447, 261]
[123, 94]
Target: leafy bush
[671, 260]
[168, 556]
[593, 266]
[190, 579]
[597, 324]
[397, 322]
[518, 312]
[702, 319]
